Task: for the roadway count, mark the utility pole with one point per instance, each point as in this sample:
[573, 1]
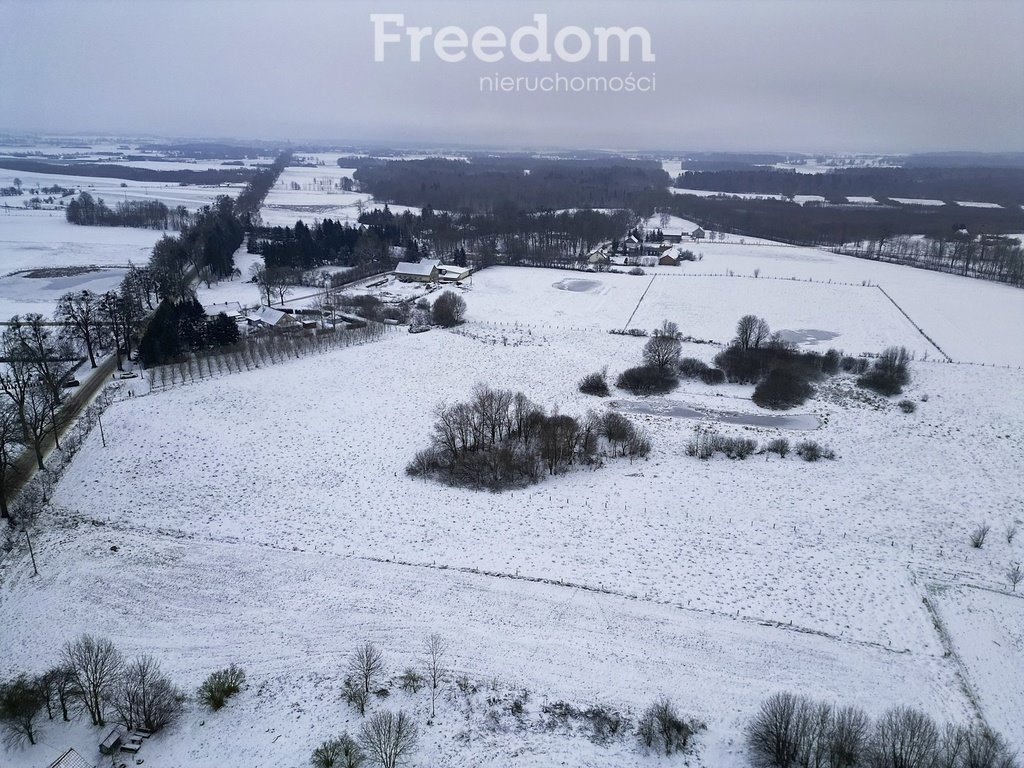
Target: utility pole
[103, 437]
[35, 571]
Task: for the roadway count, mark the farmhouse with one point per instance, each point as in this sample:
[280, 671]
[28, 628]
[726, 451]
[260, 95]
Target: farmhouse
[669, 258]
[268, 317]
[423, 271]
[698, 234]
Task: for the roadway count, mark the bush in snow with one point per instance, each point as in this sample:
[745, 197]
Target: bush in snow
[647, 380]
[907, 406]
[411, 680]
[779, 445]
[888, 374]
[449, 309]
[713, 376]
[979, 534]
[355, 695]
[782, 389]
[811, 450]
[595, 384]
[661, 728]
[221, 686]
[692, 367]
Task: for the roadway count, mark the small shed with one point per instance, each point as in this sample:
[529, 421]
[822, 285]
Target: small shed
[698, 234]
[668, 259]
[452, 273]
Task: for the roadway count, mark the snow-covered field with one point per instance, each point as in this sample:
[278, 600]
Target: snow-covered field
[113, 191]
[319, 196]
[32, 240]
[297, 533]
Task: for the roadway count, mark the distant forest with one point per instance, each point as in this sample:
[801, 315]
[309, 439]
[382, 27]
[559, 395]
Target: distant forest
[509, 183]
[109, 171]
[991, 185]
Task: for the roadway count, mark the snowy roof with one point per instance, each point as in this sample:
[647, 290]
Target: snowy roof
[70, 759]
[270, 316]
[229, 308]
[420, 268]
[446, 268]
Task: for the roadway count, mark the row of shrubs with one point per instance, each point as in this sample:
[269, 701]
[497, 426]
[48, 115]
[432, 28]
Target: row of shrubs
[794, 731]
[706, 443]
[93, 677]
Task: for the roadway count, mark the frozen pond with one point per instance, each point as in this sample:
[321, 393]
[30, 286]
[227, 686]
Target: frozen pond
[802, 421]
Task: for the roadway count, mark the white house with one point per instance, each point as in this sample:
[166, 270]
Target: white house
[451, 273]
[423, 271]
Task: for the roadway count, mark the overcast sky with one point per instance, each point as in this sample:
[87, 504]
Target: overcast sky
[794, 75]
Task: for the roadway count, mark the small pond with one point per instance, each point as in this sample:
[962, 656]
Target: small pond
[801, 421]
[577, 285]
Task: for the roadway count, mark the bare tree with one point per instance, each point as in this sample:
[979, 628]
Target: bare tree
[342, 752]
[904, 738]
[1014, 575]
[662, 352]
[1011, 532]
[388, 738]
[772, 734]
[52, 359]
[366, 664]
[751, 332]
[21, 700]
[58, 684]
[144, 697]
[94, 664]
[979, 535]
[435, 652]
[848, 738]
[80, 311]
[10, 439]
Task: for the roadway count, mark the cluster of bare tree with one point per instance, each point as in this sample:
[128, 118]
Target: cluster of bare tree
[91, 677]
[794, 731]
[387, 737]
[501, 439]
[989, 257]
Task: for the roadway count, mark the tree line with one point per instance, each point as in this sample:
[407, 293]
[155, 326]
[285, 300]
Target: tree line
[993, 185]
[147, 214]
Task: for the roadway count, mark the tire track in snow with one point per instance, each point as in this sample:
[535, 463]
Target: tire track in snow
[789, 627]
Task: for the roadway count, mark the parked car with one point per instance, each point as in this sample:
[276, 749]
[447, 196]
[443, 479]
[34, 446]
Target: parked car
[129, 375]
[69, 383]
[419, 328]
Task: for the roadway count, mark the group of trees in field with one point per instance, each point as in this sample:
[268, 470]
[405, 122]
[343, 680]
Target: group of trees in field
[782, 373]
[989, 257]
[501, 439]
[793, 731]
[148, 214]
[94, 678]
